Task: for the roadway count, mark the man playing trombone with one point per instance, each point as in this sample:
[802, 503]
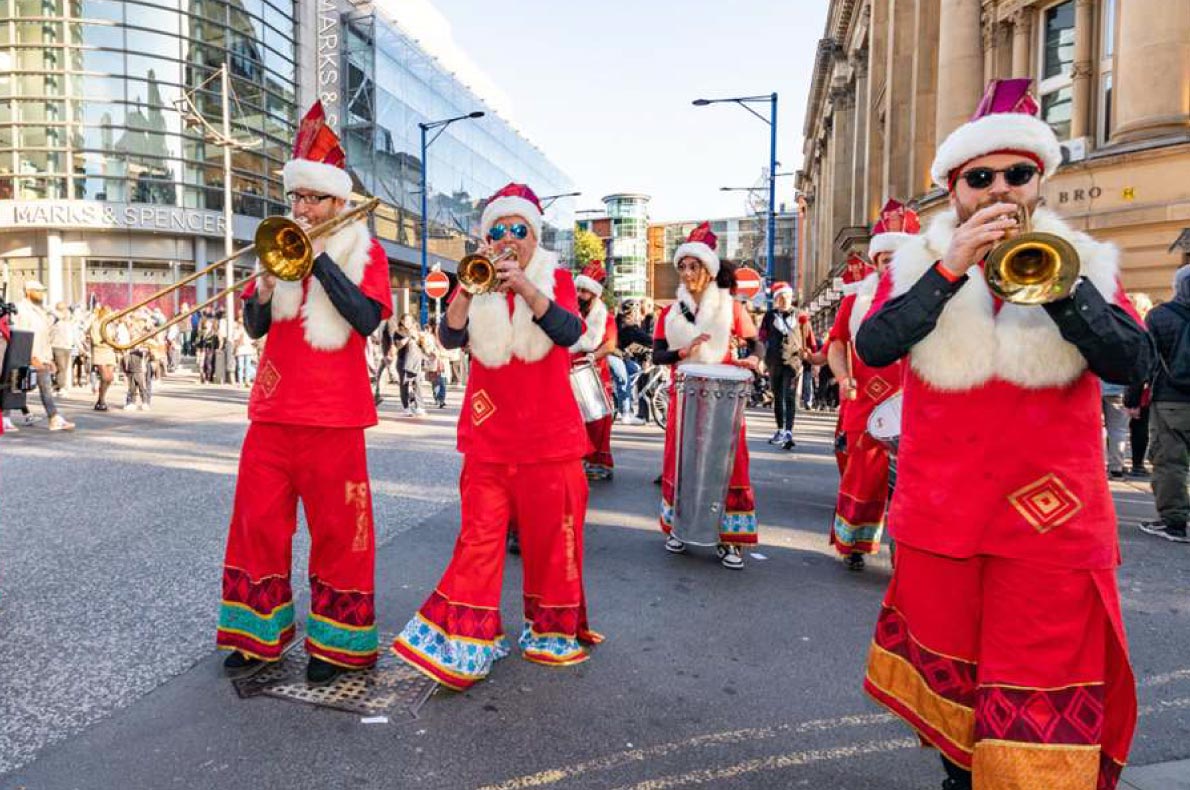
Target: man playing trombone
[308, 408]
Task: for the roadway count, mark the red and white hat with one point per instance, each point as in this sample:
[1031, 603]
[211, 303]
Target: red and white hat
[780, 287]
[512, 200]
[1005, 122]
[318, 159]
[856, 269]
[897, 224]
[592, 278]
[700, 244]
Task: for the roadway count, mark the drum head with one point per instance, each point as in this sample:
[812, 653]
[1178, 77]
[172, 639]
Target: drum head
[717, 372]
[884, 422]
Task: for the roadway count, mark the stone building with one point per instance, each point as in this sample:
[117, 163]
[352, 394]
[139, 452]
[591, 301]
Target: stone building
[893, 77]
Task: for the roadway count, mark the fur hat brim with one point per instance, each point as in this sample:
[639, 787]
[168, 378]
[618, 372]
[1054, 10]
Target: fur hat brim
[992, 133]
[887, 242]
[696, 249]
[509, 206]
[585, 283]
[321, 177]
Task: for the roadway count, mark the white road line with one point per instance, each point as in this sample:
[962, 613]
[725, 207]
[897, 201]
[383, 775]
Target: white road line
[1161, 680]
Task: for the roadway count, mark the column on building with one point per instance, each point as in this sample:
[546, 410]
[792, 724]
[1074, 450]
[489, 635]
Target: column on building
[877, 103]
[1151, 90]
[898, 127]
[960, 64]
[823, 198]
[859, 147]
[1022, 39]
[55, 284]
[842, 147]
[925, 95]
[1083, 69]
[201, 293]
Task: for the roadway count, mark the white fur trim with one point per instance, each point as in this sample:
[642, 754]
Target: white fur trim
[323, 326]
[510, 206]
[596, 328]
[713, 316]
[784, 289]
[887, 242]
[701, 251]
[865, 292]
[997, 132]
[328, 179]
[585, 283]
[972, 343]
[495, 336]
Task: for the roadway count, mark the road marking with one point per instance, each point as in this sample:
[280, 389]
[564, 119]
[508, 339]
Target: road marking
[775, 763]
[1161, 680]
[555, 775]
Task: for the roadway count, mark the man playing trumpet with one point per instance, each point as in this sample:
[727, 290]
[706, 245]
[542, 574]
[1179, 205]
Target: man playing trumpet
[308, 409]
[1001, 640]
[522, 439]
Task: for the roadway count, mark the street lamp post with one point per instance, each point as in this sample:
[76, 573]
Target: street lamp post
[424, 305]
[771, 232]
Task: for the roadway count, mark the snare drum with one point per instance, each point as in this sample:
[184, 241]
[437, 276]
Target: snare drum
[884, 423]
[589, 392]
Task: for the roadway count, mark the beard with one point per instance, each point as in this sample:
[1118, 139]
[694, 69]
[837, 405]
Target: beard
[584, 305]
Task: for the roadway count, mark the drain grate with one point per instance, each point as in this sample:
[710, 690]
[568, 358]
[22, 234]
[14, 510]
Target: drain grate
[391, 688]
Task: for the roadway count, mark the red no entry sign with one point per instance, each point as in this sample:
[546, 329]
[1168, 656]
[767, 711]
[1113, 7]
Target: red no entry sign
[747, 282]
[437, 285]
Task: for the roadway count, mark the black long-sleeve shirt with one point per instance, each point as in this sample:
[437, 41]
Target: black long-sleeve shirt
[1116, 348]
[560, 325]
[361, 311]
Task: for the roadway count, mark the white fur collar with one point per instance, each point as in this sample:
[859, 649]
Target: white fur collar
[495, 336]
[712, 316]
[325, 329]
[972, 343]
[865, 292]
[596, 321]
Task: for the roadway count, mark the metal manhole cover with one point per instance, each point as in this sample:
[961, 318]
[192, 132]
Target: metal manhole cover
[391, 688]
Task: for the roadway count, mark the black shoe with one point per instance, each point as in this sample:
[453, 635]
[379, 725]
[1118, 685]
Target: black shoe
[957, 777]
[789, 444]
[100, 407]
[1139, 472]
[1171, 532]
[321, 673]
[1116, 474]
[854, 562]
[657, 482]
[238, 664]
[514, 542]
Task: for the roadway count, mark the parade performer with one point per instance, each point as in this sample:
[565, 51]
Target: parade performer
[703, 326]
[1001, 640]
[597, 342]
[863, 461]
[522, 440]
[308, 409]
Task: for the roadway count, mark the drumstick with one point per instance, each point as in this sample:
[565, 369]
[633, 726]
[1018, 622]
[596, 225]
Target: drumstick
[852, 394]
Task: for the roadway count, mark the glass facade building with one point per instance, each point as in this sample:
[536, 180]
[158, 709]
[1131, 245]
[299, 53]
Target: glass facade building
[390, 86]
[110, 189]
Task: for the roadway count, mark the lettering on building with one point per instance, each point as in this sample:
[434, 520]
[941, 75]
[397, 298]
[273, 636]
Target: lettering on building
[116, 216]
[328, 59]
[1079, 195]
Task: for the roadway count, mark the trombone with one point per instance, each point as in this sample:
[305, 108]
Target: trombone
[285, 251]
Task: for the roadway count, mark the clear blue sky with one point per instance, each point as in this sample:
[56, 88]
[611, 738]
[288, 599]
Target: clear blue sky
[605, 90]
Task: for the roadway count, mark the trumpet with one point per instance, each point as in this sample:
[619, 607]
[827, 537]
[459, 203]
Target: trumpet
[477, 272]
[1032, 267]
[285, 250]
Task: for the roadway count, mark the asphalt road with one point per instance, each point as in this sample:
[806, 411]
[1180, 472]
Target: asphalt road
[110, 546]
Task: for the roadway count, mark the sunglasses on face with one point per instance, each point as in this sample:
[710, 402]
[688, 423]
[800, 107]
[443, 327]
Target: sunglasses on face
[310, 200]
[518, 231]
[1014, 176]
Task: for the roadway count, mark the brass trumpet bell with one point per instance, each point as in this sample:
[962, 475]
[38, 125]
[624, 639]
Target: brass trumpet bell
[477, 273]
[1032, 268]
[284, 249]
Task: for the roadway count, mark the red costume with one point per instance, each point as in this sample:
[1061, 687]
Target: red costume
[308, 409]
[599, 330]
[522, 439]
[725, 320]
[1001, 640]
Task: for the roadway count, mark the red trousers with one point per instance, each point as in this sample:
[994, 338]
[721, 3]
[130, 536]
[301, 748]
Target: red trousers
[600, 434]
[457, 635]
[863, 495]
[327, 469]
[1015, 670]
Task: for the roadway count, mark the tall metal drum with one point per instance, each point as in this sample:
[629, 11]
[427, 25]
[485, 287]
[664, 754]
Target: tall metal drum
[589, 392]
[710, 410]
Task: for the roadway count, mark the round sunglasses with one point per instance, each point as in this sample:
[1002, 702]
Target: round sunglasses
[518, 231]
[1015, 176]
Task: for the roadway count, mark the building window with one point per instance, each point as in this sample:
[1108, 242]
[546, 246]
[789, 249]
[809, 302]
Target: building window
[1106, 62]
[1057, 65]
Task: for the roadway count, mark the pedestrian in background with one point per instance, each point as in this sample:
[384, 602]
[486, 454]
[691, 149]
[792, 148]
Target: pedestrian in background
[33, 317]
[103, 357]
[411, 364]
[786, 343]
[61, 343]
[1139, 407]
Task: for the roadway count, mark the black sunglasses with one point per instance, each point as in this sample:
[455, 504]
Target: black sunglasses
[1015, 176]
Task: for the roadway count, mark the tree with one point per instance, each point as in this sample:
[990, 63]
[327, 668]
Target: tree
[587, 247]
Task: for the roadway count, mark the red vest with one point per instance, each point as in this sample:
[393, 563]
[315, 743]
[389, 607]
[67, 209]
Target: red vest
[873, 385]
[297, 384]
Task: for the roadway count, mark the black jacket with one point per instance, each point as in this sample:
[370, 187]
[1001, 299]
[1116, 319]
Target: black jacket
[1165, 327]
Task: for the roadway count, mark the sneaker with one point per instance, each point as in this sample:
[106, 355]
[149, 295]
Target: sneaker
[1139, 472]
[238, 664]
[731, 557]
[1115, 474]
[59, 423]
[778, 437]
[419, 413]
[674, 545]
[321, 673]
[145, 407]
[513, 542]
[408, 412]
[854, 562]
[10, 426]
[129, 407]
[1171, 532]
[788, 443]
[632, 419]
[30, 419]
[100, 407]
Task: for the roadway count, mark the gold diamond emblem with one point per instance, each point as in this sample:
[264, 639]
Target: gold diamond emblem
[482, 408]
[877, 388]
[268, 378]
[1046, 503]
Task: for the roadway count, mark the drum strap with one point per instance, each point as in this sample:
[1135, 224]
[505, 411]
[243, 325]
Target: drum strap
[686, 313]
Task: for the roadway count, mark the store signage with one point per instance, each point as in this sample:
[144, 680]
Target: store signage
[328, 59]
[116, 216]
